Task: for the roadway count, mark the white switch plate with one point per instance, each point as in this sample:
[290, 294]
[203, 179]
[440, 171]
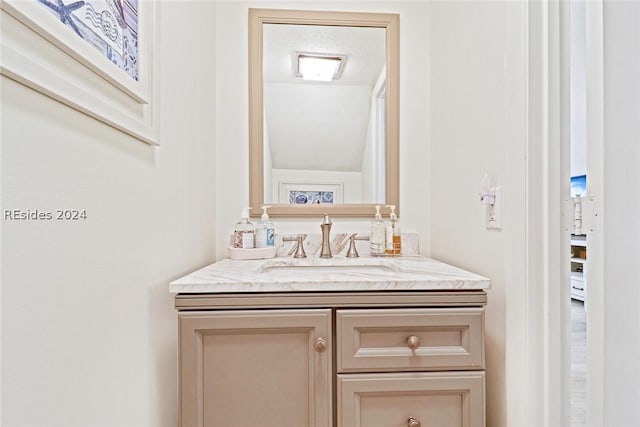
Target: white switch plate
[494, 213]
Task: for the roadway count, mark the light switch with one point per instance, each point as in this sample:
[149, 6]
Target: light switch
[494, 212]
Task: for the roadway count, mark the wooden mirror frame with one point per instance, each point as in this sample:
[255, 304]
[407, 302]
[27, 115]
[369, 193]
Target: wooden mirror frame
[391, 22]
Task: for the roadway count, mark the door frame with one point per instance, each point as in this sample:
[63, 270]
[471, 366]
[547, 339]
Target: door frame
[538, 296]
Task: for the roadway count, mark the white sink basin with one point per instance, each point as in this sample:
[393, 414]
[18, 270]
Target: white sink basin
[325, 266]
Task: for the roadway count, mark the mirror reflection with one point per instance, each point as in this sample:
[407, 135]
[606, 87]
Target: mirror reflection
[324, 114]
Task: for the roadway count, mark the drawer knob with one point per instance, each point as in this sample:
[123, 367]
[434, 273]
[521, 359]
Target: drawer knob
[320, 345]
[412, 422]
[413, 342]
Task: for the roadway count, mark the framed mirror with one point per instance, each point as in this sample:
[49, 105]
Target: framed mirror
[323, 112]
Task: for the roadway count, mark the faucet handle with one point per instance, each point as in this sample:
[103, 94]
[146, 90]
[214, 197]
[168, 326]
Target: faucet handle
[352, 252]
[299, 251]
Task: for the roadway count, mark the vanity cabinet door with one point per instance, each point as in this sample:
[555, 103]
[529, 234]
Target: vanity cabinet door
[442, 399]
[270, 368]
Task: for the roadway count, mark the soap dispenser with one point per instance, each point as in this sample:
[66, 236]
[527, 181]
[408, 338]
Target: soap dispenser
[378, 231]
[244, 232]
[393, 237]
[265, 230]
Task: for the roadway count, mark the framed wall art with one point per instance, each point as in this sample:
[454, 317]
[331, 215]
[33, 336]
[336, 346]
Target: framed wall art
[96, 56]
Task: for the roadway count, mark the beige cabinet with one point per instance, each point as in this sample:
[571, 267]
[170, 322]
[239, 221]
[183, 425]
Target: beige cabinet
[253, 367]
[332, 359]
[442, 399]
[419, 339]
[395, 340]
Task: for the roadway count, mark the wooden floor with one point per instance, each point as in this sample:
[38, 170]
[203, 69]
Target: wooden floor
[578, 364]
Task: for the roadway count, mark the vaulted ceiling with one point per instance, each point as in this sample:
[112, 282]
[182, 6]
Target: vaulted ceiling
[319, 125]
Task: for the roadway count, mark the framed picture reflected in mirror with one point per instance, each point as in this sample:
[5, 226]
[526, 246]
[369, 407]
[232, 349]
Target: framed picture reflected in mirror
[305, 193]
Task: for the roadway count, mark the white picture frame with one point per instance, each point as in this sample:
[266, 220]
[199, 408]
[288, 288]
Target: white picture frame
[286, 187]
[90, 84]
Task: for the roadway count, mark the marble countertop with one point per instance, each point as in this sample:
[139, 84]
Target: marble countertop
[283, 274]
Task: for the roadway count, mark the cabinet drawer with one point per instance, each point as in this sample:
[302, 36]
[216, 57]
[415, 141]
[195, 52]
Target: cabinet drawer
[378, 340]
[443, 399]
[577, 285]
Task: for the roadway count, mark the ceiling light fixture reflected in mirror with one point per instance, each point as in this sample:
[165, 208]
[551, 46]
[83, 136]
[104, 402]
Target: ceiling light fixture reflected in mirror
[319, 67]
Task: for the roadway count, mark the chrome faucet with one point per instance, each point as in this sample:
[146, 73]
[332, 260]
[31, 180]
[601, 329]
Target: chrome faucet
[325, 252]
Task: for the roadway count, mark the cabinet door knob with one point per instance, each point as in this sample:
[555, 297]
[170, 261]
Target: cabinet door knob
[412, 422]
[320, 345]
[413, 342]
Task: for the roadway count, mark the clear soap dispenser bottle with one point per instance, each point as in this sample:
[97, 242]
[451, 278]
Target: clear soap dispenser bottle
[265, 231]
[377, 238]
[244, 232]
[393, 237]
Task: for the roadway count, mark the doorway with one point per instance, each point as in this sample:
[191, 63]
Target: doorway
[610, 217]
[577, 282]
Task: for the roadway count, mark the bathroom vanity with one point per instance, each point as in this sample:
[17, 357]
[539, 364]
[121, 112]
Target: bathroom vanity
[341, 342]
[346, 342]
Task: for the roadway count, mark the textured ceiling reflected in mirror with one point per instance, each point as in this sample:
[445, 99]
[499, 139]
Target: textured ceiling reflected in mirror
[318, 126]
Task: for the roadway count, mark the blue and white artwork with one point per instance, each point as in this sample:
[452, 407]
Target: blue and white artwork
[310, 197]
[579, 186]
[111, 26]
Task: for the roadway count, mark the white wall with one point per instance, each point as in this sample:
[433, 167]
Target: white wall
[367, 167]
[299, 115]
[88, 326]
[621, 213]
[468, 130]
[372, 191]
[268, 164]
[578, 90]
